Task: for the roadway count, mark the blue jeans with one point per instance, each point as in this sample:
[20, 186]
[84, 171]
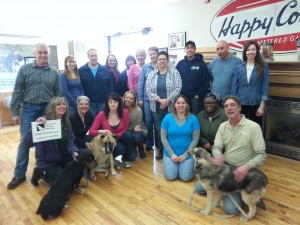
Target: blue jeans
[183, 171]
[29, 113]
[196, 105]
[96, 107]
[158, 118]
[229, 206]
[149, 122]
[129, 140]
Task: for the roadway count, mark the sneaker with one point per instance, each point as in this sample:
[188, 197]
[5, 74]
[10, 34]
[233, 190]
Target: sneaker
[127, 164]
[15, 182]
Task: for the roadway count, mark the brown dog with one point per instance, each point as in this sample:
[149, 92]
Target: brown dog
[103, 146]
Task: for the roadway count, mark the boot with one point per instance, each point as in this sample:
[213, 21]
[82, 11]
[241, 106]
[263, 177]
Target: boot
[142, 153]
[36, 175]
[160, 154]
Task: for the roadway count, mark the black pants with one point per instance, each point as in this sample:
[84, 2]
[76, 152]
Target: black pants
[250, 112]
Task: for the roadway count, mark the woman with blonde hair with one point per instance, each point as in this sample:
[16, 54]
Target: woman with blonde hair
[52, 155]
[137, 130]
[70, 83]
[111, 64]
[135, 70]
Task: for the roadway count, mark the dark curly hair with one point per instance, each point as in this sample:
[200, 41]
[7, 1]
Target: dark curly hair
[115, 97]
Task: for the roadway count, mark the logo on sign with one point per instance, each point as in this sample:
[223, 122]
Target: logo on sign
[265, 21]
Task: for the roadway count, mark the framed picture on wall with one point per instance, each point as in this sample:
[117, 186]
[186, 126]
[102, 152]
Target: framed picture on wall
[177, 40]
[173, 60]
[165, 49]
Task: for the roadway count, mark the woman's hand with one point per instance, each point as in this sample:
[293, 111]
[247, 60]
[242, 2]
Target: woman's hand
[104, 131]
[88, 145]
[260, 111]
[41, 120]
[141, 104]
[181, 159]
[208, 147]
[137, 128]
[163, 103]
[174, 158]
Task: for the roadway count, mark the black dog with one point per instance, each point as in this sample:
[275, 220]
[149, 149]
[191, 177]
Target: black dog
[54, 201]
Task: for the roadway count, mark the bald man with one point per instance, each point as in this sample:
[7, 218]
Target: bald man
[222, 69]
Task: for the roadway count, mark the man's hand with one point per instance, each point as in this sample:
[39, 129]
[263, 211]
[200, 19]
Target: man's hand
[241, 172]
[16, 120]
[218, 160]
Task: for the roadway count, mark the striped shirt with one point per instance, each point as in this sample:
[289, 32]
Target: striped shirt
[35, 85]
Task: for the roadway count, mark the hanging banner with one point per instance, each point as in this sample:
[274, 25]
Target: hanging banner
[275, 22]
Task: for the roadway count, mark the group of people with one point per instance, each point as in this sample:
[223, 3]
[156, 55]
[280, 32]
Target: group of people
[151, 104]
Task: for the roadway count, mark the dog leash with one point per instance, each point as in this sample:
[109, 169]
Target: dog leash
[213, 212]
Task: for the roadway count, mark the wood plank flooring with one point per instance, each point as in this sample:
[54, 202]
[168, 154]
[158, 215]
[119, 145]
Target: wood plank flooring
[140, 195]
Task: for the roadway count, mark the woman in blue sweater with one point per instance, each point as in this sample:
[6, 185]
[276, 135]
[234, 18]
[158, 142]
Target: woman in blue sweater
[70, 83]
[251, 83]
[180, 131]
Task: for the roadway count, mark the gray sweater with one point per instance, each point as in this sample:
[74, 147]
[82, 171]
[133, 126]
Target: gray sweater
[136, 118]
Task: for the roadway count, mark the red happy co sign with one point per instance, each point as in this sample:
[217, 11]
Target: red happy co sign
[269, 21]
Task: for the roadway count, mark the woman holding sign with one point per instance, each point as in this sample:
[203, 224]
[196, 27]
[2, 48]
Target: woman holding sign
[52, 155]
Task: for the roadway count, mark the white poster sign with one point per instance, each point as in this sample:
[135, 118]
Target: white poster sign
[46, 131]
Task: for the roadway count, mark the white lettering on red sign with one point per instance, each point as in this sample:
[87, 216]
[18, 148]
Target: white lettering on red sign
[276, 21]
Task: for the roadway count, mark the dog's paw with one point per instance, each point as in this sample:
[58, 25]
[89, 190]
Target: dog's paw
[93, 178]
[205, 211]
[113, 172]
[243, 219]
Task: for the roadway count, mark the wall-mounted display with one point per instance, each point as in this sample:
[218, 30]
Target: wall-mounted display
[177, 40]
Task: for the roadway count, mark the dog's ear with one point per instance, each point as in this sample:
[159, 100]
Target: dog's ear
[116, 137]
[101, 136]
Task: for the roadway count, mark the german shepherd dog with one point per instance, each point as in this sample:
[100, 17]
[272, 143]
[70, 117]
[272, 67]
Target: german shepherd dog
[54, 201]
[219, 180]
[103, 146]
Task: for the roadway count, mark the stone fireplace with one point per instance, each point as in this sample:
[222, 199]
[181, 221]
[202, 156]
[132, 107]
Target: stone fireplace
[282, 127]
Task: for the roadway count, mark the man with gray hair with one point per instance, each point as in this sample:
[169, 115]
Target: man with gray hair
[36, 84]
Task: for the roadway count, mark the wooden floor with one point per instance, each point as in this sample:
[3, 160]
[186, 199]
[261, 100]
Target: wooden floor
[140, 195]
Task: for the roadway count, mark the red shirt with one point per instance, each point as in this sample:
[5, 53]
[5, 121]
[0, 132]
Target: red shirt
[102, 121]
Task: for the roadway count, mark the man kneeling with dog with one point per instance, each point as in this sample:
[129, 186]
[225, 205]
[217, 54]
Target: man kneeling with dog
[239, 142]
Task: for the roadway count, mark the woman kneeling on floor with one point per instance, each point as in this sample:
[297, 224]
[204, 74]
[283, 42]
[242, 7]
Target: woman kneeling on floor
[180, 132]
[136, 129]
[53, 155]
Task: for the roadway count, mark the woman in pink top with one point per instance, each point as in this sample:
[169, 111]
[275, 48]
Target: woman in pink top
[134, 71]
[114, 119]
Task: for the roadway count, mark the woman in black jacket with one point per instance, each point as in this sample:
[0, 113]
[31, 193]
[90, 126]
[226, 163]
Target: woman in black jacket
[81, 122]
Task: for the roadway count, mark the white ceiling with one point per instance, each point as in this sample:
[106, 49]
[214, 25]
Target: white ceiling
[66, 17]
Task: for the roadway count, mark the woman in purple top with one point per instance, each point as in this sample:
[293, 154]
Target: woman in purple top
[70, 83]
[52, 155]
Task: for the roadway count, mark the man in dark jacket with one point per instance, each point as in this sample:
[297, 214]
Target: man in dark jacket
[195, 77]
[96, 82]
